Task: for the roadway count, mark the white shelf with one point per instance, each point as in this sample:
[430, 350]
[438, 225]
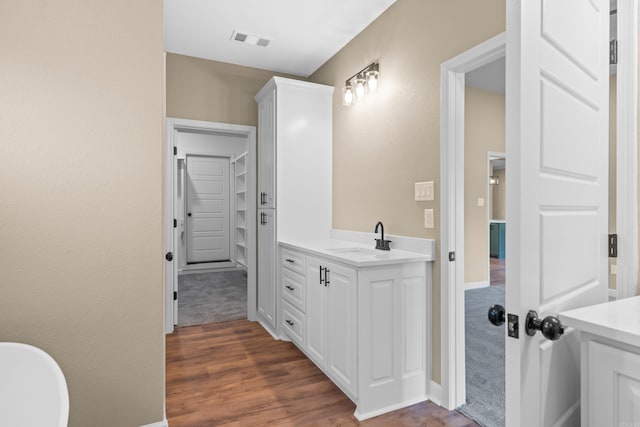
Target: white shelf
[240, 189]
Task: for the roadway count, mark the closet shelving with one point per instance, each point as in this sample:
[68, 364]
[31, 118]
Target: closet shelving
[240, 190]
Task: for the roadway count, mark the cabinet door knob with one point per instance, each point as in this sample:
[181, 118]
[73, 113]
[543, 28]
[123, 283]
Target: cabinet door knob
[289, 322]
[321, 279]
[289, 287]
[290, 260]
[326, 276]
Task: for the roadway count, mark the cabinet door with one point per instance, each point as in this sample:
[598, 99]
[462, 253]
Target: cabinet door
[267, 151]
[266, 266]
[341, 325]
[612, 386]
[316, 339]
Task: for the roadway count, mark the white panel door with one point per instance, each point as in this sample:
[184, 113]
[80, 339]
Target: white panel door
[341, 286]
[557, 201]
[267, 266]
[267, 151]
[207, 224]
[316, 330]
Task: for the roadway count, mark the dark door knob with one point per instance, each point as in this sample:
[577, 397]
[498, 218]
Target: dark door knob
[169, 256]
[496, 314]
[189, 214]
[550, 326]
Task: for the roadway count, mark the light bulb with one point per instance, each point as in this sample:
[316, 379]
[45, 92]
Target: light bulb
[347, 96]
[360, 87]
[372, 80]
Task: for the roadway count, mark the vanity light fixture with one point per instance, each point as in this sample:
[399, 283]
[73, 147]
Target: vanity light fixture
[362, 82]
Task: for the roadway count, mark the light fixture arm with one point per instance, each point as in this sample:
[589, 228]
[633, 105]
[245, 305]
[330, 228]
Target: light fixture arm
[374, 66]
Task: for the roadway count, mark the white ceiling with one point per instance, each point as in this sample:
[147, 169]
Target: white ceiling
[304, 34]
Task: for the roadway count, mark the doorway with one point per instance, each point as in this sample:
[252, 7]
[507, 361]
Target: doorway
[452, 237]
[484, 238]
[210, 193]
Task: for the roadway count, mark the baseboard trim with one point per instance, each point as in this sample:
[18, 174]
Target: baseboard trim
[163, 423]
[476, 285]
[435, 393]
[365, 416]
[267, 328]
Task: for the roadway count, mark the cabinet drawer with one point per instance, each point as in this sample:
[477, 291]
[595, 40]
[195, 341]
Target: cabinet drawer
[293, 289]
[293, 261]
[293, 323]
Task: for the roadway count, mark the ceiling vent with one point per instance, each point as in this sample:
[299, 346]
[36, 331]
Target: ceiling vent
[249, 39]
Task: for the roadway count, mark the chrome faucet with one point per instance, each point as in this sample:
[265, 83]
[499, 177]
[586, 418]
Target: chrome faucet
[381, 244]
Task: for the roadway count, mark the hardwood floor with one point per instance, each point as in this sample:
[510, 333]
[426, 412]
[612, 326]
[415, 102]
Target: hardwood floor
[497, 271]
[235, 374]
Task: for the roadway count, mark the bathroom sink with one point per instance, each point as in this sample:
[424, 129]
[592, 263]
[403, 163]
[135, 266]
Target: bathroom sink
[353, 251]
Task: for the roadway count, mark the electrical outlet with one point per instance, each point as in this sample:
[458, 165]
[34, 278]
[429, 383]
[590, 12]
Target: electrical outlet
[428, 218]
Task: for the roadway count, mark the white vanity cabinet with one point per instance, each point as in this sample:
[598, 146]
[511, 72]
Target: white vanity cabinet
[610, 362]
[364, 324]
[331, 320]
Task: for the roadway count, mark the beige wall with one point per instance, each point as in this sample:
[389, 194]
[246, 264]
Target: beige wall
[385, 144]
[199, 89]
[81, 183]
[484, 130]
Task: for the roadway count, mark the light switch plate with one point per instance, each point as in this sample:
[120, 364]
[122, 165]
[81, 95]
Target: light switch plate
[428, 218]
[423, 191]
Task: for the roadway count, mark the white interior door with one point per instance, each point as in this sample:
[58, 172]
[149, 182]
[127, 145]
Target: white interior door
[207, 222]
[557, 145]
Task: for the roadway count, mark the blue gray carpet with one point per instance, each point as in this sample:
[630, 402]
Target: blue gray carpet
[484, 358]
[212, 297]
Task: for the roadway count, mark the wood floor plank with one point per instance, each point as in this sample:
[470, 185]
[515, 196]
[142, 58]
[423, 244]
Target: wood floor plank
[234, 374]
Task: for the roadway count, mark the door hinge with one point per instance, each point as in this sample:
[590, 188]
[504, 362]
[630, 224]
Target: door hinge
[452, 256]
[175, 150]
[175, 223]
[613, 245]
[613, 52]
[175, 295]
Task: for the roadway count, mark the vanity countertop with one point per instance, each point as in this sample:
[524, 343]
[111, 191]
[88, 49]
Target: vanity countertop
[355, 254]
[617, 320]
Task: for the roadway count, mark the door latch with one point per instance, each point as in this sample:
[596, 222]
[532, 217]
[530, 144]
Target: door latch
[513, 325]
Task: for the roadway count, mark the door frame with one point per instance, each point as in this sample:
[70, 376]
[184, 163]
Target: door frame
[452, 91]
[171, 234]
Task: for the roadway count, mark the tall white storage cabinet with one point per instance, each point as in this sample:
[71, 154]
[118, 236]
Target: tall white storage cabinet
[294, 176]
